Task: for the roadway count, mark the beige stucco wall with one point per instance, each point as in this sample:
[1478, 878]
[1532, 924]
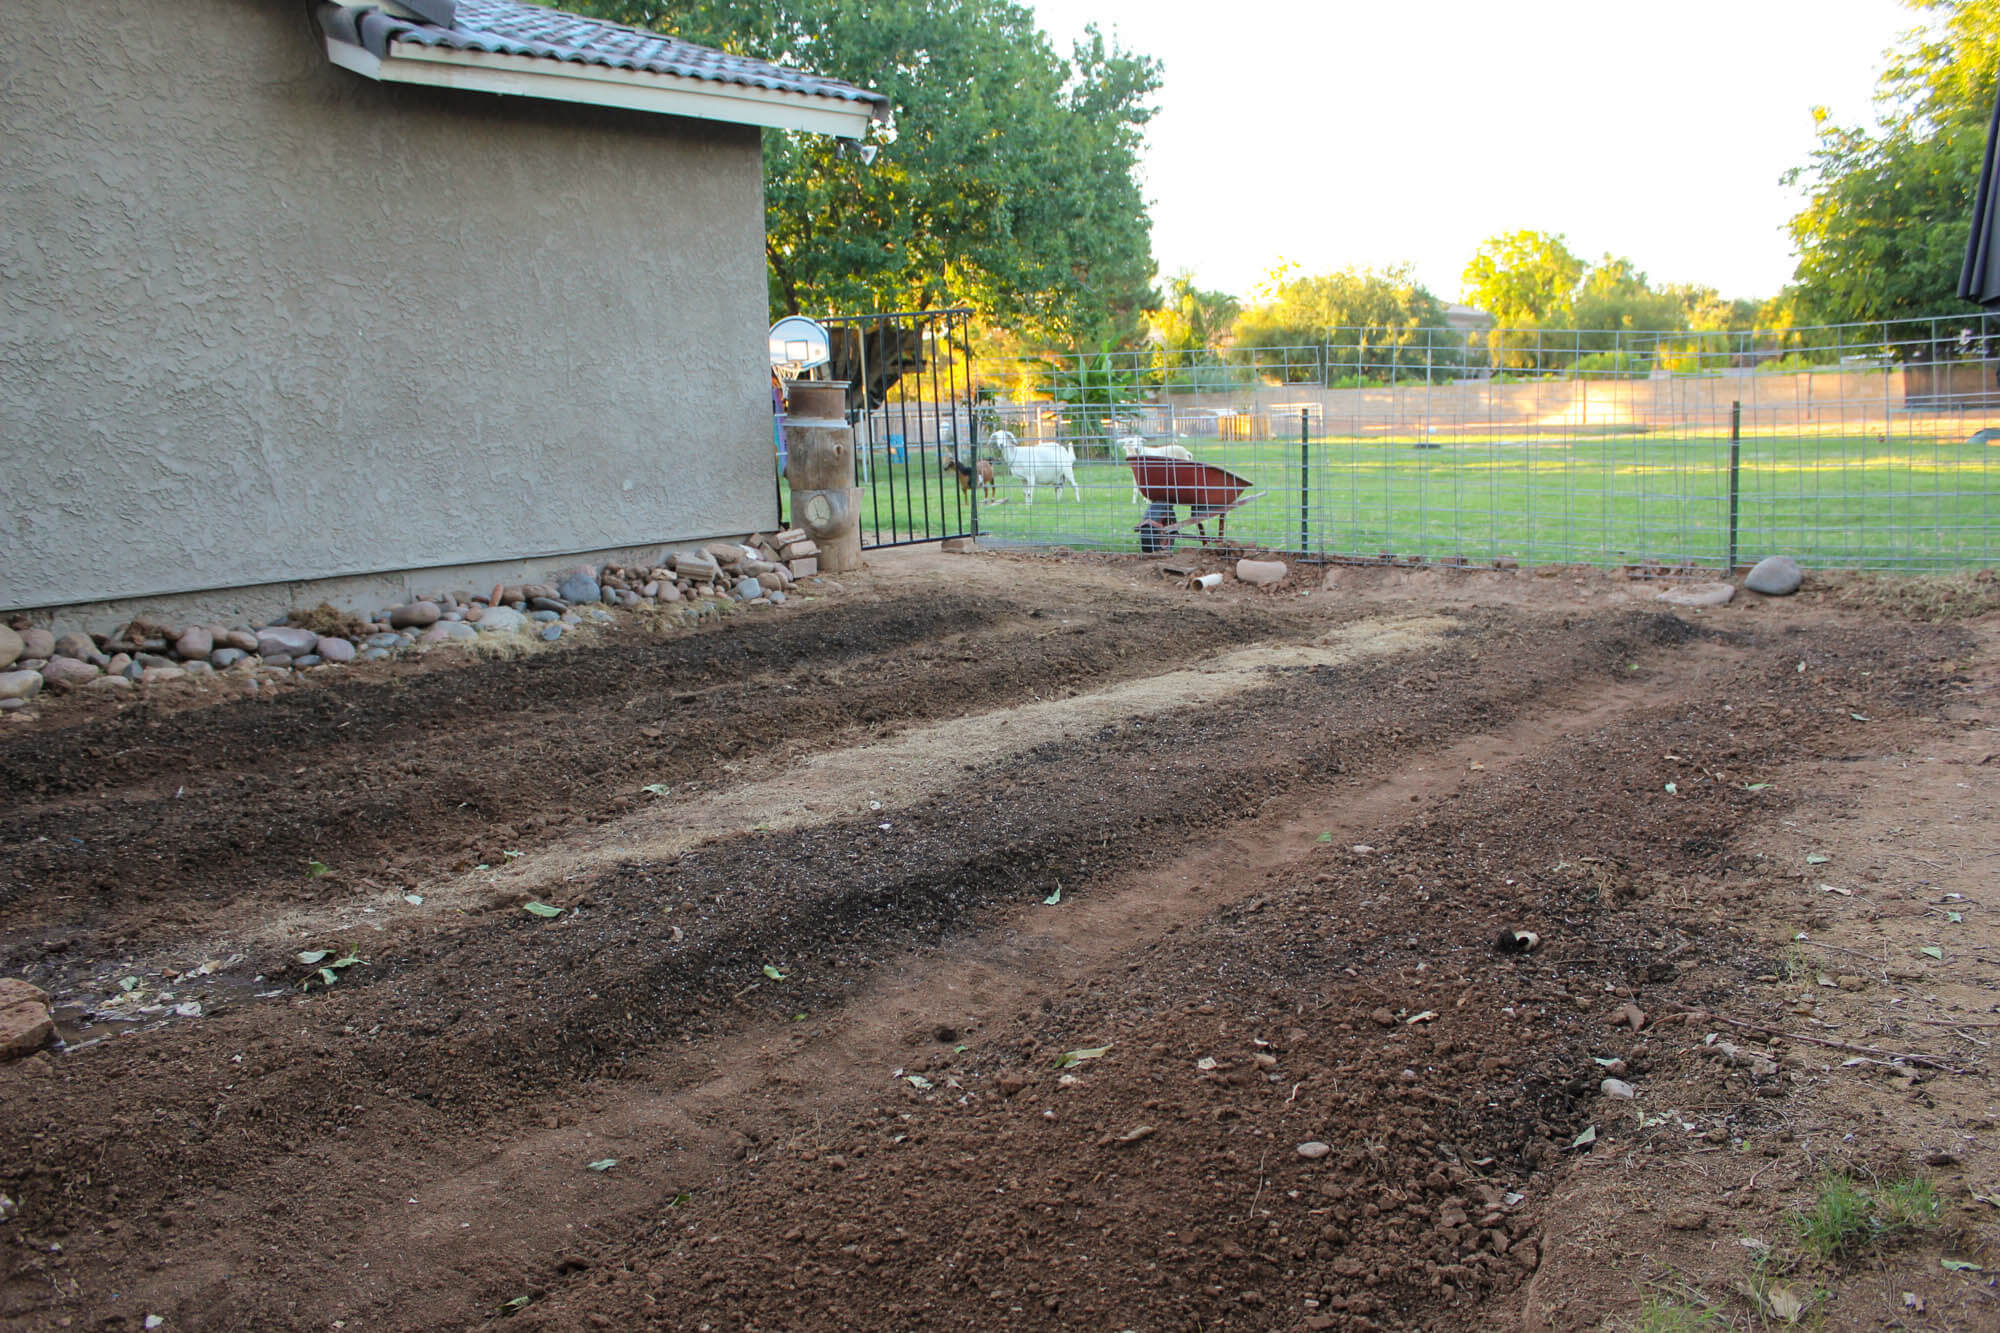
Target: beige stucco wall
[264, 320]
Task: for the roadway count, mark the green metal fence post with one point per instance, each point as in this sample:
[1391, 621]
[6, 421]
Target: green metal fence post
[1735, 462]
[1305, 478]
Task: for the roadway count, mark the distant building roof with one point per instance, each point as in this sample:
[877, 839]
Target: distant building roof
[1467, 319]
[502, 46]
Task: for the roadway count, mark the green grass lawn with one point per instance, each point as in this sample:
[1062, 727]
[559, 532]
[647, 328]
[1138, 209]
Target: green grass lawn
[1852, 502]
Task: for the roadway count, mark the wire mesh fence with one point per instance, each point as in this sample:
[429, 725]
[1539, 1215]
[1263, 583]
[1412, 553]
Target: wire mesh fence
[1856, 447]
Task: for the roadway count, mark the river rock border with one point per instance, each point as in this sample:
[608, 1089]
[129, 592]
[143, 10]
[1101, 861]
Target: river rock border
[37, 663]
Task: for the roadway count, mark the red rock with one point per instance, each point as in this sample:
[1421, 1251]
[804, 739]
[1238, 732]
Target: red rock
[25, 1023]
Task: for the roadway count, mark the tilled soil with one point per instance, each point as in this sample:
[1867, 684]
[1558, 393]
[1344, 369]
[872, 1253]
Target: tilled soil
[1052, 1039]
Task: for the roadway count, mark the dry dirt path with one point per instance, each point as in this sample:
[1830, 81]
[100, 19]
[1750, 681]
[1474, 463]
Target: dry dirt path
[873, 799]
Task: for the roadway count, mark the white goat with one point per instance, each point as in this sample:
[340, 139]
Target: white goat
[1038, 465]
[1134, 446]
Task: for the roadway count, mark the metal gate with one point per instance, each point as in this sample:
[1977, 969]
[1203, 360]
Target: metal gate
[910, 401]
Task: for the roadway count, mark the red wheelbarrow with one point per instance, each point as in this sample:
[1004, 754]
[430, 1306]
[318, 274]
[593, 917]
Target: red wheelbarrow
[1209, 492]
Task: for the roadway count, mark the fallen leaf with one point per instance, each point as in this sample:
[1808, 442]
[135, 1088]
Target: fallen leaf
[1672, 790]
[1954, 917]
[1785, 1304]
[1134, 1134]
[1053, 898]
[1961, 1266]
[311, 956]
[1932, 951]
[1860, 717]
[1325, 837]
[1755, 786]
[414, 899]
[1079, 1056]
[773, 973]
[603, 1164]
[1817, 859]
[918, 1081]
[1425, 1017]
[657, 789]
[1206, 1063]
[518, 1303]
[542, 909]
[1585, 1139]
[1828, 888]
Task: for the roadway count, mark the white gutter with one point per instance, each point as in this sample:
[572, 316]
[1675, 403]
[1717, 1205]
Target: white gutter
[603, 85]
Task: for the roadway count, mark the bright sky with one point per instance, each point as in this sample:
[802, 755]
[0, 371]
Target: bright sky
[1338, 132]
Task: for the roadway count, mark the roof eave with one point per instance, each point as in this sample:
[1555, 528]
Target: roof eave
[602, 85]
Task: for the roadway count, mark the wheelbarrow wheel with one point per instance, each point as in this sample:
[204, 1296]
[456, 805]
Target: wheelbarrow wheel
[1153, 534]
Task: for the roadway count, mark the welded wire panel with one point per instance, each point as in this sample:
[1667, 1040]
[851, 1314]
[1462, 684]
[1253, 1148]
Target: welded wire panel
[1871, 447]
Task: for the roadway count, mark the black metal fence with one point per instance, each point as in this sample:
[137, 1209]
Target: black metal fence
[910, 401]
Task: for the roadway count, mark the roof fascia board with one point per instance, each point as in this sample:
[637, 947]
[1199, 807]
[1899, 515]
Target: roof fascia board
[599, 85]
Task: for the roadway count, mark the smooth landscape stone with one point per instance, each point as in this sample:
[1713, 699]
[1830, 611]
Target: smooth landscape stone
[280, 661]
[198, 668]
[69, 671]
[501, 620]
[1699, 594]
[10, 705]
[117, 664]
[241, 638]
[1260, 573]
[131, 671]
[1775, 576]
[307, 660]
[21, 685]
[555, 604]
[384, 640]
[552, 632]
[475, 613]
[543, 617]
[749, 590]
[38, 642]
[416, 615]
[193, 643]
[449, 631]
[579, 585]
[452, 615]
[77, 647]
[161, 675]
[281, 640]
[153, 660]
[109, 684]
[12, 647]
[776, 596]
[224, 658]
[334, 649]
[374, 654]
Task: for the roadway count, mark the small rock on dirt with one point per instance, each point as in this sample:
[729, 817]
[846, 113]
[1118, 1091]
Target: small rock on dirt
[25, 1021]
[1383, 1017]
[1261, 573]
[1699, 594]
[1618, 1087]
[1313, 1149]
[1775, 576]
[12, 646]
[69, 671]
[1629, 1014]
[22, 685]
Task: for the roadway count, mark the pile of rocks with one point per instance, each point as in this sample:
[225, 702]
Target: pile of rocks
[149, 652]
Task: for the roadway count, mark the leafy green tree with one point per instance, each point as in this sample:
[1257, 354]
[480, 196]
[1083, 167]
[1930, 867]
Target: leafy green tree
[1186, 334]
[1888, 208]
[1008, 182]
[1368, 321]
[1524, 279]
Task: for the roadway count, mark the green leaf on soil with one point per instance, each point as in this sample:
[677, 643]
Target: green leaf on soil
[679, 1199]
[1325, 837]
[518, 1303]
[1954, 917]
[1585, 1139]
[1672, 790]
[1079, 1056]
[1053, 898]
[311, 956]
[1818, 859]
[542, 909]
[1755, 786]
[657, 789]
[918, 1081]
[129, 983]
[316, 868]
[1860, 717]
[1606, 1060]
[1932, 951]
[328, 975]
[1961, 1266]
[414, 899]
[603, 1164]
[773, 973]
[511, 855]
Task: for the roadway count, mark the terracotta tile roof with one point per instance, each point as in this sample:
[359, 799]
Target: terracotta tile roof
[510, 28]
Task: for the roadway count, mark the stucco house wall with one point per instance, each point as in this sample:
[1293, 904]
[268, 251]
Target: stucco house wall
[263, 320]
